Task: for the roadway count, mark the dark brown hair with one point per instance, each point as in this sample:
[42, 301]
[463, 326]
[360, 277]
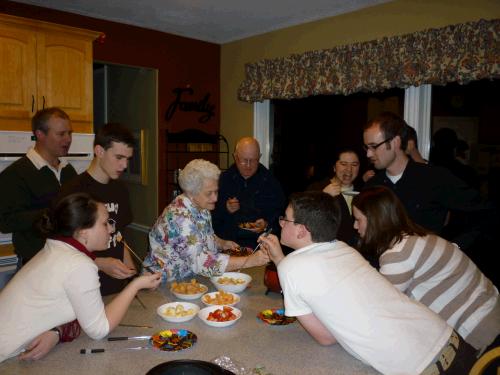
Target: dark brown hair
[114, 132]
[387, 221]
[391, 126]
[73, 212]
[318, 212]
[40, 120]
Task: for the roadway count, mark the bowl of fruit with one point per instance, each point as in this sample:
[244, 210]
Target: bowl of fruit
[188, 290]
[220, 298]
[219, 316]
[234, 282]
[177, 312]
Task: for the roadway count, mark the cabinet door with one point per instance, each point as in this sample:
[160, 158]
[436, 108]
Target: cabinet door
[65, 74]
[17, 77]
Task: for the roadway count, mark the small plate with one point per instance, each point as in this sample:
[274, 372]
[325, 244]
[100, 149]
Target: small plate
[173, 340]
[275, 317]
[204, 299]
[177, 319]
[191, 296]
[233, 288]
[352, 193]
[251, 227]
[238, 252]
[203, 315]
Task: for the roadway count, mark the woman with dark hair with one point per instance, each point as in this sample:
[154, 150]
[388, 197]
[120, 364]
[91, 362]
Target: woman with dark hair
[342, 186]
[426, 267]
[61, 284]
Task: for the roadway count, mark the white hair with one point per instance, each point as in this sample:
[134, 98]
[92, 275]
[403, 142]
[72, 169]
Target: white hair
[193, 175]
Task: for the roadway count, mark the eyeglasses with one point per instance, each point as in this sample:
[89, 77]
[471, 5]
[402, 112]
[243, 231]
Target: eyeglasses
[374, 147]
[283, 219]
[247, 162]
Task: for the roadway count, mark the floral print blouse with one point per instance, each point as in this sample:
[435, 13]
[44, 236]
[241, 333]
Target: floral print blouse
[182, 243]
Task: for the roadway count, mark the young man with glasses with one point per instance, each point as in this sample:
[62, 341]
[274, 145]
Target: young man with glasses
[428, 193]
[113, 148]
[249, 195]
[338, 297]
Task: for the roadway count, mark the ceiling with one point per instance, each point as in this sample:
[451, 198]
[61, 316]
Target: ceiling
[216, 21]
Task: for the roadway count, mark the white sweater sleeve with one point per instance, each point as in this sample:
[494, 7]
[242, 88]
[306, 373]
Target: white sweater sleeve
[83, 292]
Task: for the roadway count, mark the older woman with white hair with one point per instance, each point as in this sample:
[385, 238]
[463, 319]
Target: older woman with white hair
[182, 241]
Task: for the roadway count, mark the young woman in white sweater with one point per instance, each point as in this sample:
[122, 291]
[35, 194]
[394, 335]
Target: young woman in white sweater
[61, 283]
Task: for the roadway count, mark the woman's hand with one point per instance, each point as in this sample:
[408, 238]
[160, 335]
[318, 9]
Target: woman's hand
[147, 281]
[334, 188]
[40, 346]
[259, 258]
[368, 174]
[228, 245]
[271, 245]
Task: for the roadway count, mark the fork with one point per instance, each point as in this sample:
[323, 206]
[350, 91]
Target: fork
[265, 234]
[141, 262]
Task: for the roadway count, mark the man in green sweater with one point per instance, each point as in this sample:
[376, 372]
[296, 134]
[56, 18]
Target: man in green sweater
[28, 186]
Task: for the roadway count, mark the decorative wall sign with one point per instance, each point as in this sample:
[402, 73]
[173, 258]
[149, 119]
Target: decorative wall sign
[202, 106]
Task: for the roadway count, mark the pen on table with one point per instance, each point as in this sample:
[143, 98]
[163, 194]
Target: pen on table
[91, 351]
[120, 338]
[134, 325]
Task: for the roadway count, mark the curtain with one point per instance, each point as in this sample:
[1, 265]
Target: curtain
[457, 53]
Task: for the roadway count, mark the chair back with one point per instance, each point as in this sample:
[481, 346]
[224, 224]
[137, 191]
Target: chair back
[483, 363]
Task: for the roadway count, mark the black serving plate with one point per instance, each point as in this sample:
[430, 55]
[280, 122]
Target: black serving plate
[188, 367]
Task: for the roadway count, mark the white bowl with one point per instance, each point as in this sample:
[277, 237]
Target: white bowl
[203, 315]
[233, 288]
[236, 299]
[174, 319]
[191, 296]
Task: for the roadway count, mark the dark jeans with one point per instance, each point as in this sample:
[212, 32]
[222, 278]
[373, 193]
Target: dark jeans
[456, 358]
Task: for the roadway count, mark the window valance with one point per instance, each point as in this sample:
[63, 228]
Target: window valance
[457, 53]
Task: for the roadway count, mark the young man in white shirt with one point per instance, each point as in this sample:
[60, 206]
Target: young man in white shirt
[338, 297]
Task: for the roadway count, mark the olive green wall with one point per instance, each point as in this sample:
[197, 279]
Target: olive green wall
[389, 19]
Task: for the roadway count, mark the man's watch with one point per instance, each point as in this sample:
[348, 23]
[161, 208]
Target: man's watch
[56, 330]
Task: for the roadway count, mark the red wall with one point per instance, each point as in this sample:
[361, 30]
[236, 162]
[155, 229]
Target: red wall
[180, 62]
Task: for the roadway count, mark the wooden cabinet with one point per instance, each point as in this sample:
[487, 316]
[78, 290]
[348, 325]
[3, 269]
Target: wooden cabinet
[44, 65]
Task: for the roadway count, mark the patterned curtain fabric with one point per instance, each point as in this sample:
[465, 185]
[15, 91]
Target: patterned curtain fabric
[458, 53]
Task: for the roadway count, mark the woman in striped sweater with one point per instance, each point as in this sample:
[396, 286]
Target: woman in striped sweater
[427, 267]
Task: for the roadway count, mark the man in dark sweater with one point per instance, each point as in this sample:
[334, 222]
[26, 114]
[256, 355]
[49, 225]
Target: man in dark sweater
[28, 186]
[428, 193]
[248, 194]
[113, 147]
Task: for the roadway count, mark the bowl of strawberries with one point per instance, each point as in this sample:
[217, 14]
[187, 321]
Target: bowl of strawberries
[219, 316]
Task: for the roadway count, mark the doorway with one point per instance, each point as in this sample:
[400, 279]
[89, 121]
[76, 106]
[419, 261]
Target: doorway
[308, 133]
[472, 111]
[128, 95]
